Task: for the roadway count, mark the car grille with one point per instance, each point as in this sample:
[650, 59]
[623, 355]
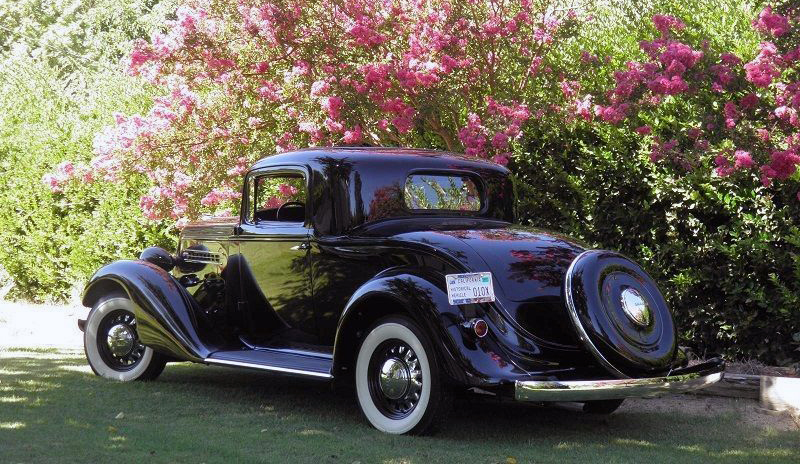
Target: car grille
[200, 256]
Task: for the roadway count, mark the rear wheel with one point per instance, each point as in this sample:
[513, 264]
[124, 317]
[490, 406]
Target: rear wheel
[398, 382]
[112, 345]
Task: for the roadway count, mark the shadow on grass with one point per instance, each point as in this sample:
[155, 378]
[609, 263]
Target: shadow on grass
[53, 409]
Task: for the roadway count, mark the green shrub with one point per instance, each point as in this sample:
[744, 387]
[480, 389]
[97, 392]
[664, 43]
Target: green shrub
[726, 253]
[59, 84]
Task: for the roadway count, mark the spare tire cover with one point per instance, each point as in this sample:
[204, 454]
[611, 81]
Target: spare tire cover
[619, 314]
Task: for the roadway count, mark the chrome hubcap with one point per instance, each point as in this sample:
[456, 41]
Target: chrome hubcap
[635, 307]
[120, 340]
[394, 378]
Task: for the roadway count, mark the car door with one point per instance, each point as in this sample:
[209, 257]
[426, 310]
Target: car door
[274, 244]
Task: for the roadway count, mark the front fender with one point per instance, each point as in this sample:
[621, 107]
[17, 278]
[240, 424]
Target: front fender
[164, 310]
[467, 359]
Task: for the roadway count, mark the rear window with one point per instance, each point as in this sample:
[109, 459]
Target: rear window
[442, 192]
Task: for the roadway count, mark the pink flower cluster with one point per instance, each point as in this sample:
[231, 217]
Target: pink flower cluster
[243, 79]
[771, 23]
[218, 196]
[764, 123]
[504, 124]
[764, 67]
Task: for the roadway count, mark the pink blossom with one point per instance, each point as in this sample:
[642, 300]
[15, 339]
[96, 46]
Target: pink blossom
[644, 130]
[333, 126]
[287, 190]
[501, 158]
[500, 141]
[402, 124]
[723, 166]
[611, 114]
[273, 202]
[731, 114]
[583, 108]
[588, 58]
[742, 160]
[570, 88]
[788, 114]
[763, 135]
[320, 88]
[353, 135]
[666, 23]
[771, 23]
[694, 132]
[472, 136]
[783, 163]
[762, 70]
[52, 183]
[270, 91]
[333, 106]
[66, 169]
[749, 101]
[730, 59]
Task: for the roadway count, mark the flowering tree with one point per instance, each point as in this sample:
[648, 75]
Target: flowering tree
[246, 79]
[741, 114]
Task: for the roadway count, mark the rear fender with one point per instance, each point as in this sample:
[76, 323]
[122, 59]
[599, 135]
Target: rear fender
[164, 310]
[466, 359]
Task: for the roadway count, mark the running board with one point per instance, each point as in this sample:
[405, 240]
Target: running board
[306, 365]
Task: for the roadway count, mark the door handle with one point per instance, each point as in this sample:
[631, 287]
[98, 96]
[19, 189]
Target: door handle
[303, 246]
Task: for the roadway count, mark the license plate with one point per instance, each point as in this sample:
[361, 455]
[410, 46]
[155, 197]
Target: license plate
[469, 288]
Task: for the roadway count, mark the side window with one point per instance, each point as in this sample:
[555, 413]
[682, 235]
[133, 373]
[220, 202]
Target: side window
[277, 197]
[442, 192]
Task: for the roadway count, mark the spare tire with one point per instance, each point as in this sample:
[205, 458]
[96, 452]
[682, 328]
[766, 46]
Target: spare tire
[619, 314]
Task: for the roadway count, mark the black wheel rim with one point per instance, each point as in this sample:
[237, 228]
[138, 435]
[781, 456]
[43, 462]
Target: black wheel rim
[118, 342]
[393, 400]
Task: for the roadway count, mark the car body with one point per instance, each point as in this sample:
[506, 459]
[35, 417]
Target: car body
[350, 265]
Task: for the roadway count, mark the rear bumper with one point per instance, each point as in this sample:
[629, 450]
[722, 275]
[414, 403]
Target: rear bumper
[678, 381]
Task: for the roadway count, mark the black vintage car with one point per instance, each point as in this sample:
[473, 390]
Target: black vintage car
[400, 272]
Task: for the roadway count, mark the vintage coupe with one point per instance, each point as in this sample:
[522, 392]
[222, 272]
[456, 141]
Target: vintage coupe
[399, 271]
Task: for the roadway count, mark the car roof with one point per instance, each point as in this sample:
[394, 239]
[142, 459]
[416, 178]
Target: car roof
[366, 155]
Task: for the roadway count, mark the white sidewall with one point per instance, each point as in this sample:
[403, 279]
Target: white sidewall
[378, 335]
[90, 342]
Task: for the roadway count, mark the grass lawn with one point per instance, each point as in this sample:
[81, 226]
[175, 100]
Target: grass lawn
[52, 409]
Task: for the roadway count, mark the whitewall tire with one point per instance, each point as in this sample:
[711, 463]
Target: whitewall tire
[112, 345]
[398, 384]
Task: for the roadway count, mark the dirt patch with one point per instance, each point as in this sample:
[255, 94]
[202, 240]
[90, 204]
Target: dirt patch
[753, 367]
[748, 410]
[40, 326]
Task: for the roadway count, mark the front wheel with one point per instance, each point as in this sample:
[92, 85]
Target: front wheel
[112, 345]
[398, 381]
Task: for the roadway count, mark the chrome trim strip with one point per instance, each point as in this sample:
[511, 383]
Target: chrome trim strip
[573, 315]
[588, 390]
[286, 370]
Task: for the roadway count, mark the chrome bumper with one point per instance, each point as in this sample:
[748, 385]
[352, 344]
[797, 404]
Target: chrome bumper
[679, 381]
